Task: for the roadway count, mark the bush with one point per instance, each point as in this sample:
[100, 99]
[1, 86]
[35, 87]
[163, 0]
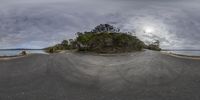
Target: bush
[23, 53]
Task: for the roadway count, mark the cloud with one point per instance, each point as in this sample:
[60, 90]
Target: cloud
[40, 23]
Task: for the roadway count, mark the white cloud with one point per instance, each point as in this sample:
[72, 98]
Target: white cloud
[46, 22]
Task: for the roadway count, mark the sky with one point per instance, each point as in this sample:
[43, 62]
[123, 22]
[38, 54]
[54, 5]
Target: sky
[42, 23]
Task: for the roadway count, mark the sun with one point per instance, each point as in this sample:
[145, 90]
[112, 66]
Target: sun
[149, 29]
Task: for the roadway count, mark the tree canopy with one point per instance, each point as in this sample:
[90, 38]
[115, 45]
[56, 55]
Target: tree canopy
[105, 42]
[64, 45]
[105, 28]
[154, 46]
[104, 38]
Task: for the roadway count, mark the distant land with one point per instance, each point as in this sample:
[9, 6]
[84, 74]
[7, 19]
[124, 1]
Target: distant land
[43, 49]
[180, 49]
[19, 49]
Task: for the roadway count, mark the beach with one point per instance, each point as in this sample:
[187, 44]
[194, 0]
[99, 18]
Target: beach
[146, 75]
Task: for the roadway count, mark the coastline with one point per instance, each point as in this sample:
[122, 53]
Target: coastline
[18, 55]
[102, 54]
[182, 56]
[11, 57]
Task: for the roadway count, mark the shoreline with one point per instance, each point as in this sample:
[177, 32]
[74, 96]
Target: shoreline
[182, 56]
[111, 54]
[15, 56]
[102, 54]
[11, 57]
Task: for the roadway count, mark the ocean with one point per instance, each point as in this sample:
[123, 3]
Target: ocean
[187, 53]
[16, 52]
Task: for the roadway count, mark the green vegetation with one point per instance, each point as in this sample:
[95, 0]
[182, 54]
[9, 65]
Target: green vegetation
[106, 42]
[104, 38]
[64, 45]
[23, 53]
[105, 28]
[154, 46]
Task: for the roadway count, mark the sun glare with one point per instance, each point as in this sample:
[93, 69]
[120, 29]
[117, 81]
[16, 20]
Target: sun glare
[148, 29]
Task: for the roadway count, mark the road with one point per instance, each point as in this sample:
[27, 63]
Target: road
[146, 75]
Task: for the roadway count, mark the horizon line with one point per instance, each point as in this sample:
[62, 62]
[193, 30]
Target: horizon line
[22, 49]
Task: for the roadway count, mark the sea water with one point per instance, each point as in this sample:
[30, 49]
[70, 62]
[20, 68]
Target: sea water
[187, 53]
[17, 52]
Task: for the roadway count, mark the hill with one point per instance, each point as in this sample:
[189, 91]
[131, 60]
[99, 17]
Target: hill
[104, 38]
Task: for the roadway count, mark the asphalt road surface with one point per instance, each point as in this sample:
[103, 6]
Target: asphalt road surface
[144, 75]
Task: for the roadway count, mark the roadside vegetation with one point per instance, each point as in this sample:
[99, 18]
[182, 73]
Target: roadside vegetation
[64, 45]
[104, 38]
[154, 46]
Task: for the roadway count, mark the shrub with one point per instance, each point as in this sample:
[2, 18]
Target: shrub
[23, 53]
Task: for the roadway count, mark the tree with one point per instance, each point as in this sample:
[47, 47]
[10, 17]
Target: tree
[154, 46]
[157, 43]
[64, 43]
[105, 38]
[105, 28]
[72, 44]
[79, 33]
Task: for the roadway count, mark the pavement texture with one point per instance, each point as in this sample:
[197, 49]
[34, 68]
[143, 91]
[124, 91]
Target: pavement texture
[146, 75]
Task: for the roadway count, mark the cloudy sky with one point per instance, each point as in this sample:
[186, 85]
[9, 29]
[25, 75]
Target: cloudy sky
[41, 23]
